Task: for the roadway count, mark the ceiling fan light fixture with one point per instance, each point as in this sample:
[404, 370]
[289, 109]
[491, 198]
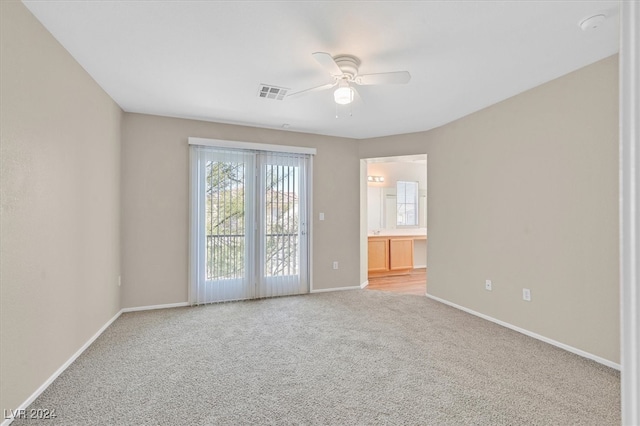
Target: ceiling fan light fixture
[343, 95]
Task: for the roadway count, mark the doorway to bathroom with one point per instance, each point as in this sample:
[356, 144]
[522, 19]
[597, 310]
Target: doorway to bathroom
[395, 207]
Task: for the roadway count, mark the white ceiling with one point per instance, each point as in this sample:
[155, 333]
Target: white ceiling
[206, 59]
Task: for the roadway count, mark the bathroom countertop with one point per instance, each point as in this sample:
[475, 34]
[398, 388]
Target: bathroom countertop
[409, 232]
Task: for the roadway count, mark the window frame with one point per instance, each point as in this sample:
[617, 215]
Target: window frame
[415, 203]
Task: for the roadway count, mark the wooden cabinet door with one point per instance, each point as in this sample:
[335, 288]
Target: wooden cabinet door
[378, 255]
[400, 253]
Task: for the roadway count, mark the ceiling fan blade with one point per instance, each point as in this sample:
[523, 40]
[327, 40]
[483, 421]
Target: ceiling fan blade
[327, 62]
[397, 77]
[313, 89]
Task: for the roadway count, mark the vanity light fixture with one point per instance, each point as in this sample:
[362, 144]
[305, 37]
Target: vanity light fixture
[376, 179]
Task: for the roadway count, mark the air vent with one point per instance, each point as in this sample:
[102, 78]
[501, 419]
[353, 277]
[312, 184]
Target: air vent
[272, 92]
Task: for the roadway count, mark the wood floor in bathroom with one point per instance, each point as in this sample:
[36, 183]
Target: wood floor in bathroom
[412, 283]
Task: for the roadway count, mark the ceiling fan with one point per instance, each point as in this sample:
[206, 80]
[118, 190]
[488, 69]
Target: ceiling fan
[344, 70]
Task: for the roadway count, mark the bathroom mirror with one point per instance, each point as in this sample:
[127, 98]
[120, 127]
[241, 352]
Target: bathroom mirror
[384, 177]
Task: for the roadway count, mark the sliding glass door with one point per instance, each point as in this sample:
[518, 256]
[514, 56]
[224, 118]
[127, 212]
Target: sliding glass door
[248, 224]
[282, 225]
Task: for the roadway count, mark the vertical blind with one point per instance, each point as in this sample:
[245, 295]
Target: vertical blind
[283, 222]
[248, 224]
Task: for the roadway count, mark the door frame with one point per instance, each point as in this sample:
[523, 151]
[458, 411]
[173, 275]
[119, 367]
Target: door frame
[629, 92]
[364, 219]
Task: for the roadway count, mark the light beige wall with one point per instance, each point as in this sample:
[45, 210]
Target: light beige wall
[525, 193]
[156, 206]
[60, 146]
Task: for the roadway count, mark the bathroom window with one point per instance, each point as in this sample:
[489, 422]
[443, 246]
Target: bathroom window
[407, 203]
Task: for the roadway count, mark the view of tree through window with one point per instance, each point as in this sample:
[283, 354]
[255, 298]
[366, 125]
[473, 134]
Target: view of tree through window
[281, 221]
[225, 220]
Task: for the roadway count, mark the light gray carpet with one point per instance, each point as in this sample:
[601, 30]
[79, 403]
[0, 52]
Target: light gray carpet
[351, 357]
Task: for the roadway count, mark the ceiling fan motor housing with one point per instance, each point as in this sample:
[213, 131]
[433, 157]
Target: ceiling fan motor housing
[348, 64]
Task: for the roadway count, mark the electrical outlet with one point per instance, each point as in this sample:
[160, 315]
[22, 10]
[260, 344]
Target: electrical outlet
[335, 264]
[119, 280]
[321, 216]
[526, 294]
[487, 285]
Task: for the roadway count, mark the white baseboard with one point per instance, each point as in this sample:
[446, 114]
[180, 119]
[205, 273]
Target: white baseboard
[324, 290]
[150, 307]
[531, 334]
[60, 370]
[419, 266]
[364, 284]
